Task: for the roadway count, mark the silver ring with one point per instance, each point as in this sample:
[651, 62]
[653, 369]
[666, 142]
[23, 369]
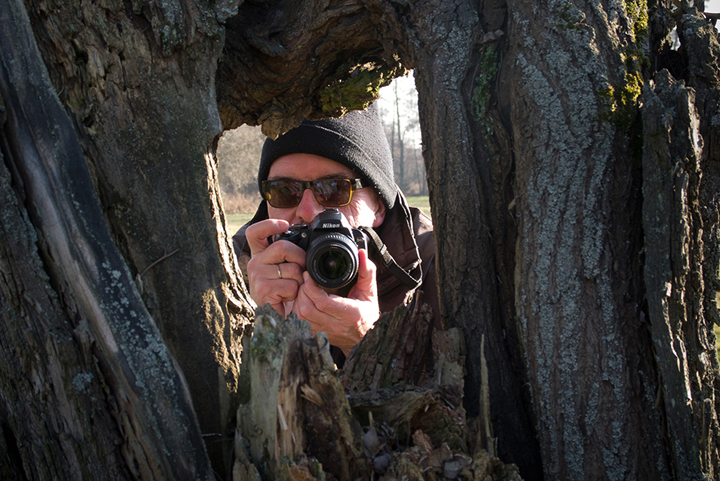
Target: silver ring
[279, 271]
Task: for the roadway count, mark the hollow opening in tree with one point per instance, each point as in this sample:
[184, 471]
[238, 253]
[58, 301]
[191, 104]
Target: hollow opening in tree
[238, 153]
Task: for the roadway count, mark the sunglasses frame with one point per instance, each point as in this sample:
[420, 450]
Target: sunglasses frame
[355, 184]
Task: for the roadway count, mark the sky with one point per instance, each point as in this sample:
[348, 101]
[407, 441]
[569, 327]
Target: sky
[408, 106]
[713, 6]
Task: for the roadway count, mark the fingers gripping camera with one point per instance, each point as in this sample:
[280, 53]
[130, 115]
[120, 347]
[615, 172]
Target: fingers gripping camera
[332, 249]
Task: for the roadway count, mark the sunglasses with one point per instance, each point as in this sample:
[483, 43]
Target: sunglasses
[287, 193]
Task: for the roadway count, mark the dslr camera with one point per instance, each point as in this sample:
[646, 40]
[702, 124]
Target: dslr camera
[332, 250]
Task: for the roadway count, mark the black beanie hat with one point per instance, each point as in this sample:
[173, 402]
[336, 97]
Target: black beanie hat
[356, 141]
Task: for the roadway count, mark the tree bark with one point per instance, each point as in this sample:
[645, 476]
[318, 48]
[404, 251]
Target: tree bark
[296, 405]
[285, 61]
[139, 80]
[577, 239]
[296, 422]
[670, 187]
[92, 380]
[458, 172]
[681, 270]
[578, 282]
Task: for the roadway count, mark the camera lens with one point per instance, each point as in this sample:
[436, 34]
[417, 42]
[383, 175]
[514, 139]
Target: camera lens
[332, 260]
[332, 264]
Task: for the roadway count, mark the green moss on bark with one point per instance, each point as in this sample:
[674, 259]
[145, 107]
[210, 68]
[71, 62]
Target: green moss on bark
[620, 101]
[637, 12]
[482, 89]
[571, 17]
[358, 90]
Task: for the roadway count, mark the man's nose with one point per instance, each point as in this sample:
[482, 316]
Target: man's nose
[308, 208]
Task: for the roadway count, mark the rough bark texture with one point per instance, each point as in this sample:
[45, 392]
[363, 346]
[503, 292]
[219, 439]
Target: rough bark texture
[285, 61]
[85, 367]
[680, 187]
[296, 404]
[702, 295]
[670, 187]
[296, 422]
[577, 238]
[138, 79]
[402, 349]
[447, 61]
[577, 276]
[410, 377]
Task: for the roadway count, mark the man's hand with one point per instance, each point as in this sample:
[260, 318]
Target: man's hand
[275, 271]
[345, 319]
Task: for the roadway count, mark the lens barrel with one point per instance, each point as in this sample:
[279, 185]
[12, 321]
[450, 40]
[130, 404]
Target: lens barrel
[332, 260]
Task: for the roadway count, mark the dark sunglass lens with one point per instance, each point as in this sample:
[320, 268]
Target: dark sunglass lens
[284, 194]
[333, 192]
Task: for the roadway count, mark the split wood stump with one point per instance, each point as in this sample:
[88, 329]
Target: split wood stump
[393, 412]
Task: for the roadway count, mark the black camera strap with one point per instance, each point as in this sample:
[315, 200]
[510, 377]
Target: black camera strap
[390, 263]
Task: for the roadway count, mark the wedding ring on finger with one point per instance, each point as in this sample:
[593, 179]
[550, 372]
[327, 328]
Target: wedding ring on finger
[279, 271]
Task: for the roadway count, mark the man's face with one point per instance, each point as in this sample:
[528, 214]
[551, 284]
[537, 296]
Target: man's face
[365, 209]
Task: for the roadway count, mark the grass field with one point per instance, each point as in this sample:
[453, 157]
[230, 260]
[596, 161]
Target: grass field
[420, 201]
[235, 221]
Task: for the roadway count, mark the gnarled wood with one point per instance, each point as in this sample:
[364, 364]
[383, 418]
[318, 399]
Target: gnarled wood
[88, 287]
[300, 60]
[139, 80]
[296, 422]
[532, 141]
[399, 347]
[671, 159]
[296, 405]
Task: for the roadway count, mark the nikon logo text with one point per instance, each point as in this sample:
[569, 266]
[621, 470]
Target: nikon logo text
[330, 225]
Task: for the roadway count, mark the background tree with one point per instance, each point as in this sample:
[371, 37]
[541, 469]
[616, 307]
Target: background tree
[573, 184]
[399, 113]
[399, 134]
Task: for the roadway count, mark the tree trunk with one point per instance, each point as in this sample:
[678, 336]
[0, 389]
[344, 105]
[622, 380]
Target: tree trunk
[86, 369]
[141, 82]
[585, 288]
[578, 272]
[467, 273]
[576, 220]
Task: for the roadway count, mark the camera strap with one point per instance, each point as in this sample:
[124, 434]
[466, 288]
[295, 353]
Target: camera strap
[390, 263]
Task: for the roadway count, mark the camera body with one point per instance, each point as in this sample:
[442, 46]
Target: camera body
[332, 248]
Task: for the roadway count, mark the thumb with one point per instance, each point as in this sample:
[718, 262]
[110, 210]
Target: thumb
[365, 286]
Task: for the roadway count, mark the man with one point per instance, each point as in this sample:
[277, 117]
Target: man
[345, 164]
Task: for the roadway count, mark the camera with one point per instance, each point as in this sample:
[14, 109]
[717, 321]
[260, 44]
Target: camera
[332, 248]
